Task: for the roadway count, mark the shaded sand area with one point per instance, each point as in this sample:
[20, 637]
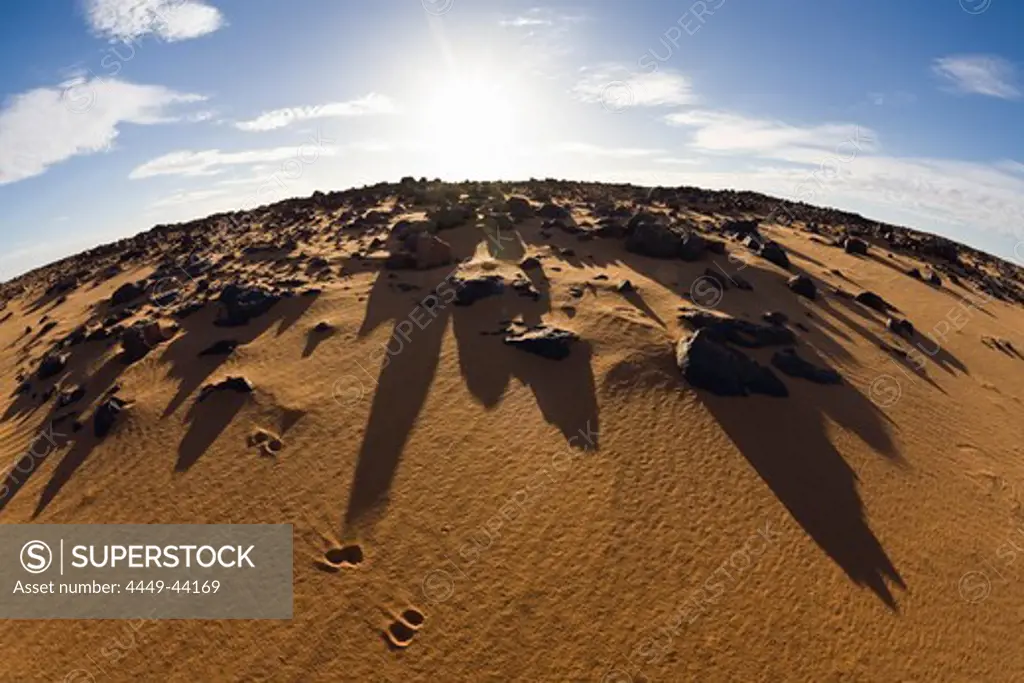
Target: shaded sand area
[476, 420]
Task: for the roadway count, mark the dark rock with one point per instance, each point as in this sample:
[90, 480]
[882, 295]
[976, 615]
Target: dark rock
[236, 384]
[548, 342]
[737, 331]
[643, 218]
[914, 273]
[872, 301]
[854, 245]
[107, 414]
[776, 318]
[519, 208]
[790, 363]
[52, 365]
[691, 247]
[740, 228]
[142, 337]
[472, 290]
[774, 253]
[803, 286]
[900, 326]
[62, 286]
[610, 228]
[401, 260]
[530, 263]
[554, 212]
[222, 347]
[625, 287]
[70, 395]
[241, 304]
[128, 292]
[934, 279]
[715, 246]
[708, 363]
[452, 216]
[654, 239]
[524, 287]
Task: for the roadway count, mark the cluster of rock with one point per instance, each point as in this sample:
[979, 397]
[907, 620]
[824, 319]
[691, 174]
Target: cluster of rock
[709, 360]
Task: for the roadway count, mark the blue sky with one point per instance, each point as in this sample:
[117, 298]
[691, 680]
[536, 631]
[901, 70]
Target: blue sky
[121, 114]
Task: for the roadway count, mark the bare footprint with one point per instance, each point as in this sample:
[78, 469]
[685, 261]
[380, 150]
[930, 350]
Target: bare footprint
[400, 632]
[344, 557]
[268, 443]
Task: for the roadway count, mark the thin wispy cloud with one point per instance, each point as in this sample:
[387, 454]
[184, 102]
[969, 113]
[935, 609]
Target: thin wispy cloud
[45, 126]
[979, 75]
[196, 163]
[170, 20]
[618, 87]
[587, 149]
[525, 22]
[369, 105]
[729, 132]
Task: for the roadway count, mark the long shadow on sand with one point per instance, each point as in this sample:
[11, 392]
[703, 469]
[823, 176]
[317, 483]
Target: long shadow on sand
[565, 392]
[786, 443]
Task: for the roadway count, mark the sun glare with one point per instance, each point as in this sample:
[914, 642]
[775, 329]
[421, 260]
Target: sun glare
[470, 125]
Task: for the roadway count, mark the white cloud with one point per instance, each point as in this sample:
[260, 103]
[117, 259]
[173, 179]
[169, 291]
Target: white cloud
[171, 20]
[187, 197]
[46, 126]
[617, 87]
[588, 149]
[980, 75]
[735, 133]
[210, 162]
[372, 104]
[525, 22]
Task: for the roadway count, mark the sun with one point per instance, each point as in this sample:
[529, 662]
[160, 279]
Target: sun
[470, 124]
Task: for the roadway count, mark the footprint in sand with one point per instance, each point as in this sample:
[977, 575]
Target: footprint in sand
[400, 632]
[344, 557]
[269, 444]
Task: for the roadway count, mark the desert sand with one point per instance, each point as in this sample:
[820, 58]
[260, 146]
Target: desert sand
[478, 498]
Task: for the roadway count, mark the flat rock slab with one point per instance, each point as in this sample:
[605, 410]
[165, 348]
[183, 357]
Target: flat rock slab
[548, 342]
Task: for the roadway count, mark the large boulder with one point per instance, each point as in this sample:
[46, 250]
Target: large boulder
[708, 363]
